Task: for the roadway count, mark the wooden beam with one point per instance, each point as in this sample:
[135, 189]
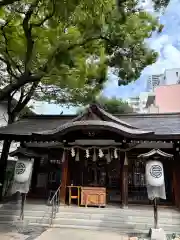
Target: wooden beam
[125, 182]
[64, 178]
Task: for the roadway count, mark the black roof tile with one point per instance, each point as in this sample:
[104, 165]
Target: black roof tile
[161, 124]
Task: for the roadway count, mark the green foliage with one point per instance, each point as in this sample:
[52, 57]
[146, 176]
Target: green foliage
[160, 4]
[112, 105]
[66, 47]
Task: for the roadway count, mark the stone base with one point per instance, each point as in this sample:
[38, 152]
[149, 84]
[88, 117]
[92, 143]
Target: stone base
[157, 234]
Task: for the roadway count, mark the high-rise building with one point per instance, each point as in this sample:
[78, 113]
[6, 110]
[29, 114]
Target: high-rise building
[154, 81]
[141, 103]
[172, 76]
[169, 77]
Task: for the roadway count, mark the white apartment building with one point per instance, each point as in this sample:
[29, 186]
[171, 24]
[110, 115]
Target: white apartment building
[172, 76]
[169, 77]
[142, 103]
[134, 103]
[154, 81]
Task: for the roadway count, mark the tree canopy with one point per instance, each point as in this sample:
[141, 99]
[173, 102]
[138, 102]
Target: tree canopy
[159, 4]
[114, 105]
[61, 50]
[111, 105]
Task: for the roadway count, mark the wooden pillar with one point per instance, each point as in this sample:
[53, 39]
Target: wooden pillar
[64, 177]
[35, 174]
[125, 182]
[176, 176]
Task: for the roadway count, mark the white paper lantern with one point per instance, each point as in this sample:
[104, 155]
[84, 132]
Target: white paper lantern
[154, 173]
[23, 170]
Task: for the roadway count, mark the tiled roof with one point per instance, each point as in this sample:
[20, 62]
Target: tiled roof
[118, 128]
[163, 125]
[159, 123]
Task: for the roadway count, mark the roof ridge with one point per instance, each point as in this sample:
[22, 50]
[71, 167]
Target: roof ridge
[112, 117]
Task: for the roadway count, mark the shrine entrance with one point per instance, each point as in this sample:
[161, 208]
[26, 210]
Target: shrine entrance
[97, 168]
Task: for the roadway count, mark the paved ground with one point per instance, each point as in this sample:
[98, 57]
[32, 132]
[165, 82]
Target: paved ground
[9, 232]
[77, 234]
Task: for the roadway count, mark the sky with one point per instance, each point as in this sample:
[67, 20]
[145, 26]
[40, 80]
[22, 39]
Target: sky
[167, 44]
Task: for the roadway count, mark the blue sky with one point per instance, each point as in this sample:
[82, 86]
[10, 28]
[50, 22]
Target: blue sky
[167, 44]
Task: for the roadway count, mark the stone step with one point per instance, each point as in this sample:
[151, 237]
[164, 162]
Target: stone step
[127, 226]
[120, 211]
[111, 218]
[93, 220]
[121, 227]
[26, 213]
[99, 228]
[27, 207]
[112, 222]
[116, 217]
[14, 218]
[93, 216]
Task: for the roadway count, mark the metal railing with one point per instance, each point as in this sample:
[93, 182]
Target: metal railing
[54, 203]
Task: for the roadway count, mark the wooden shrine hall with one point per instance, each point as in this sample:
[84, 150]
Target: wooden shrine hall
[98, 158]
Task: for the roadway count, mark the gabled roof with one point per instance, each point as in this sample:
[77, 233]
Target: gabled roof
[95, 112]
[96, 124]
[155, 152]
[165, 126]
[25, 152]
[94, 117]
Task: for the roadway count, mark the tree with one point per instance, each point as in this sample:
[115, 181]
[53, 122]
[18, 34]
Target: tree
[111, 105]
[114, 105]
[65, 47]
[159, 4]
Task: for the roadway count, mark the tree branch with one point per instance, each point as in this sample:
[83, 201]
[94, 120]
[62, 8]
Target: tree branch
[57, 51]
[49, 16]
[17, 84]
[8, 59]
[28, 78]
[22, 103]
[7, 2]
[9, 107]
[27, 27]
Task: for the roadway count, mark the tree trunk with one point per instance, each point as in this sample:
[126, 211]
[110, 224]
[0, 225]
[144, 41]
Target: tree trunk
[12, 114]
[16, 85]
[3, 164]
[4, 158]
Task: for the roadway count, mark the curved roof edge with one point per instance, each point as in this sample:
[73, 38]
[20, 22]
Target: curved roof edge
[21, 151]
[154, 152]
[91, 124]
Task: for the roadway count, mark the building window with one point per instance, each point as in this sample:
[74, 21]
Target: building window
[177, 74]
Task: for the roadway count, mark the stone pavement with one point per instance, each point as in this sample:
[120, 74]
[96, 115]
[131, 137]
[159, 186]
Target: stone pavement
[13, 236]
[9, 232]
[78, 234]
